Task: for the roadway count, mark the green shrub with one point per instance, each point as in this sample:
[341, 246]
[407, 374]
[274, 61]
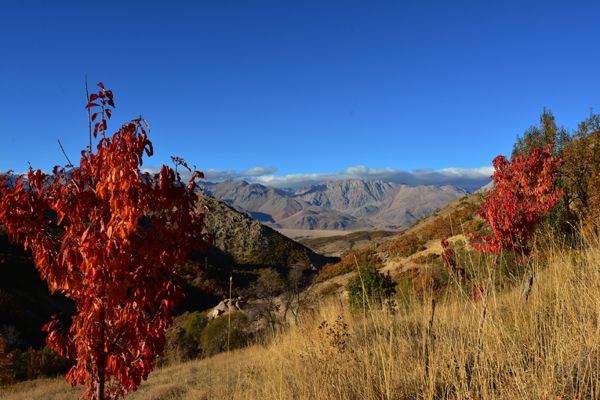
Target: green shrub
[214, 335]
[432, 280]
[184, 337]
[173, 351]
[405, 291]
[32, 364]
[369, 286]
[193, 326]
[193, 335]
[476, 266]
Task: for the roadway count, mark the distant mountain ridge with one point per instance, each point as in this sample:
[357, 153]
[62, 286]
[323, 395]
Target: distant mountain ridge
[338, 204]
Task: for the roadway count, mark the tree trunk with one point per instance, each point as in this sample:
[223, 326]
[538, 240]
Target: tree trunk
[101, 361]
[100, 385]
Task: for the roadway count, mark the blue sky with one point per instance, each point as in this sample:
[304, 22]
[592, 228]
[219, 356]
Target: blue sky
[297, 87]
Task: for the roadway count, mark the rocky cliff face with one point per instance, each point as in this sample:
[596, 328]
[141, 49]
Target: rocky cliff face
[243, 241]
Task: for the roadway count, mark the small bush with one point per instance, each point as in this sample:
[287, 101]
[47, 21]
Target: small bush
[405, 290]
[193, 326]
[406, 245]
[476, 266]
[184, 337]
[214, 335]
[193, 335]
[45, 362]
[348, 263]
[173, 351]
[369, 286]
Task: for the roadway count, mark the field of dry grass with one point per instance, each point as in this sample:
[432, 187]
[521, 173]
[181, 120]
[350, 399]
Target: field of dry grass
[298, 234]
[340, 245]
[547, 347]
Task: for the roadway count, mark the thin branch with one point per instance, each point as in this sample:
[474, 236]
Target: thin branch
[65, 154]
[87, 100]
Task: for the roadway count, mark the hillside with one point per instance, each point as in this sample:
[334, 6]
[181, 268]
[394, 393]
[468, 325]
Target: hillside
[544, 348]
[339, 245]
[241, 247]
[245, 242]
[411, 256]
[336, 353]
[448, 221]
[339, 205]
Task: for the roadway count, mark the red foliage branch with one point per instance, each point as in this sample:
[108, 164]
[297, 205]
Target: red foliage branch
[108, 236]
[523, 192]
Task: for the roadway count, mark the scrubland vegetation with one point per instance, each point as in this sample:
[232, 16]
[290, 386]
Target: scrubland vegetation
[545, 347]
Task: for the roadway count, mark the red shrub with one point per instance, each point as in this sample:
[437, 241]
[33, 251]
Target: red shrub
[524, 191]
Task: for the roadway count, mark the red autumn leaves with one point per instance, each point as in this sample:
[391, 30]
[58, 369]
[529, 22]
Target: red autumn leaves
[524, 190]
[108, 236]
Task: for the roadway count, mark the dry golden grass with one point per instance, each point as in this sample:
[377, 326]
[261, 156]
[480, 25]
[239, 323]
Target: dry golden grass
[545, 348]
[298, 234]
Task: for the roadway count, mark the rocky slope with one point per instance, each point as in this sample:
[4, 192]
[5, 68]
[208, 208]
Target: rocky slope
[240, 241]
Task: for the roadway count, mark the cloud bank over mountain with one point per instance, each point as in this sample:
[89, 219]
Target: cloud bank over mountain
[217, 175]
[467, 178]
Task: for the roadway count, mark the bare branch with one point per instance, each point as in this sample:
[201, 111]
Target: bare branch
[65, 154]
[87, 100]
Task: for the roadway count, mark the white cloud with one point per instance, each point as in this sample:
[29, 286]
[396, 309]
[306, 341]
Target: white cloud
[218, 175]
[467, 178]
[259, 171]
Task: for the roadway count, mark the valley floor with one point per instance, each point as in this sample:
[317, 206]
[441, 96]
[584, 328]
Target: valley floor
[298, 234]
[547, 347]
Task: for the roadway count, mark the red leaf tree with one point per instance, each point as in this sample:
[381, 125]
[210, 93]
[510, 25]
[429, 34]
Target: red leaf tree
[108, 237]
[524, 190]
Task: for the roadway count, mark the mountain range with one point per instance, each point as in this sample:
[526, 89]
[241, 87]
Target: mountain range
[335, 205]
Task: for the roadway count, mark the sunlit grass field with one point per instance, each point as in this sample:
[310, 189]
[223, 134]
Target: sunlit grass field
[547, 347]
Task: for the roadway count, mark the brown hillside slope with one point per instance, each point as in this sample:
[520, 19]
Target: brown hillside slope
[404, 250]
[545, 348]
[339, 245]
